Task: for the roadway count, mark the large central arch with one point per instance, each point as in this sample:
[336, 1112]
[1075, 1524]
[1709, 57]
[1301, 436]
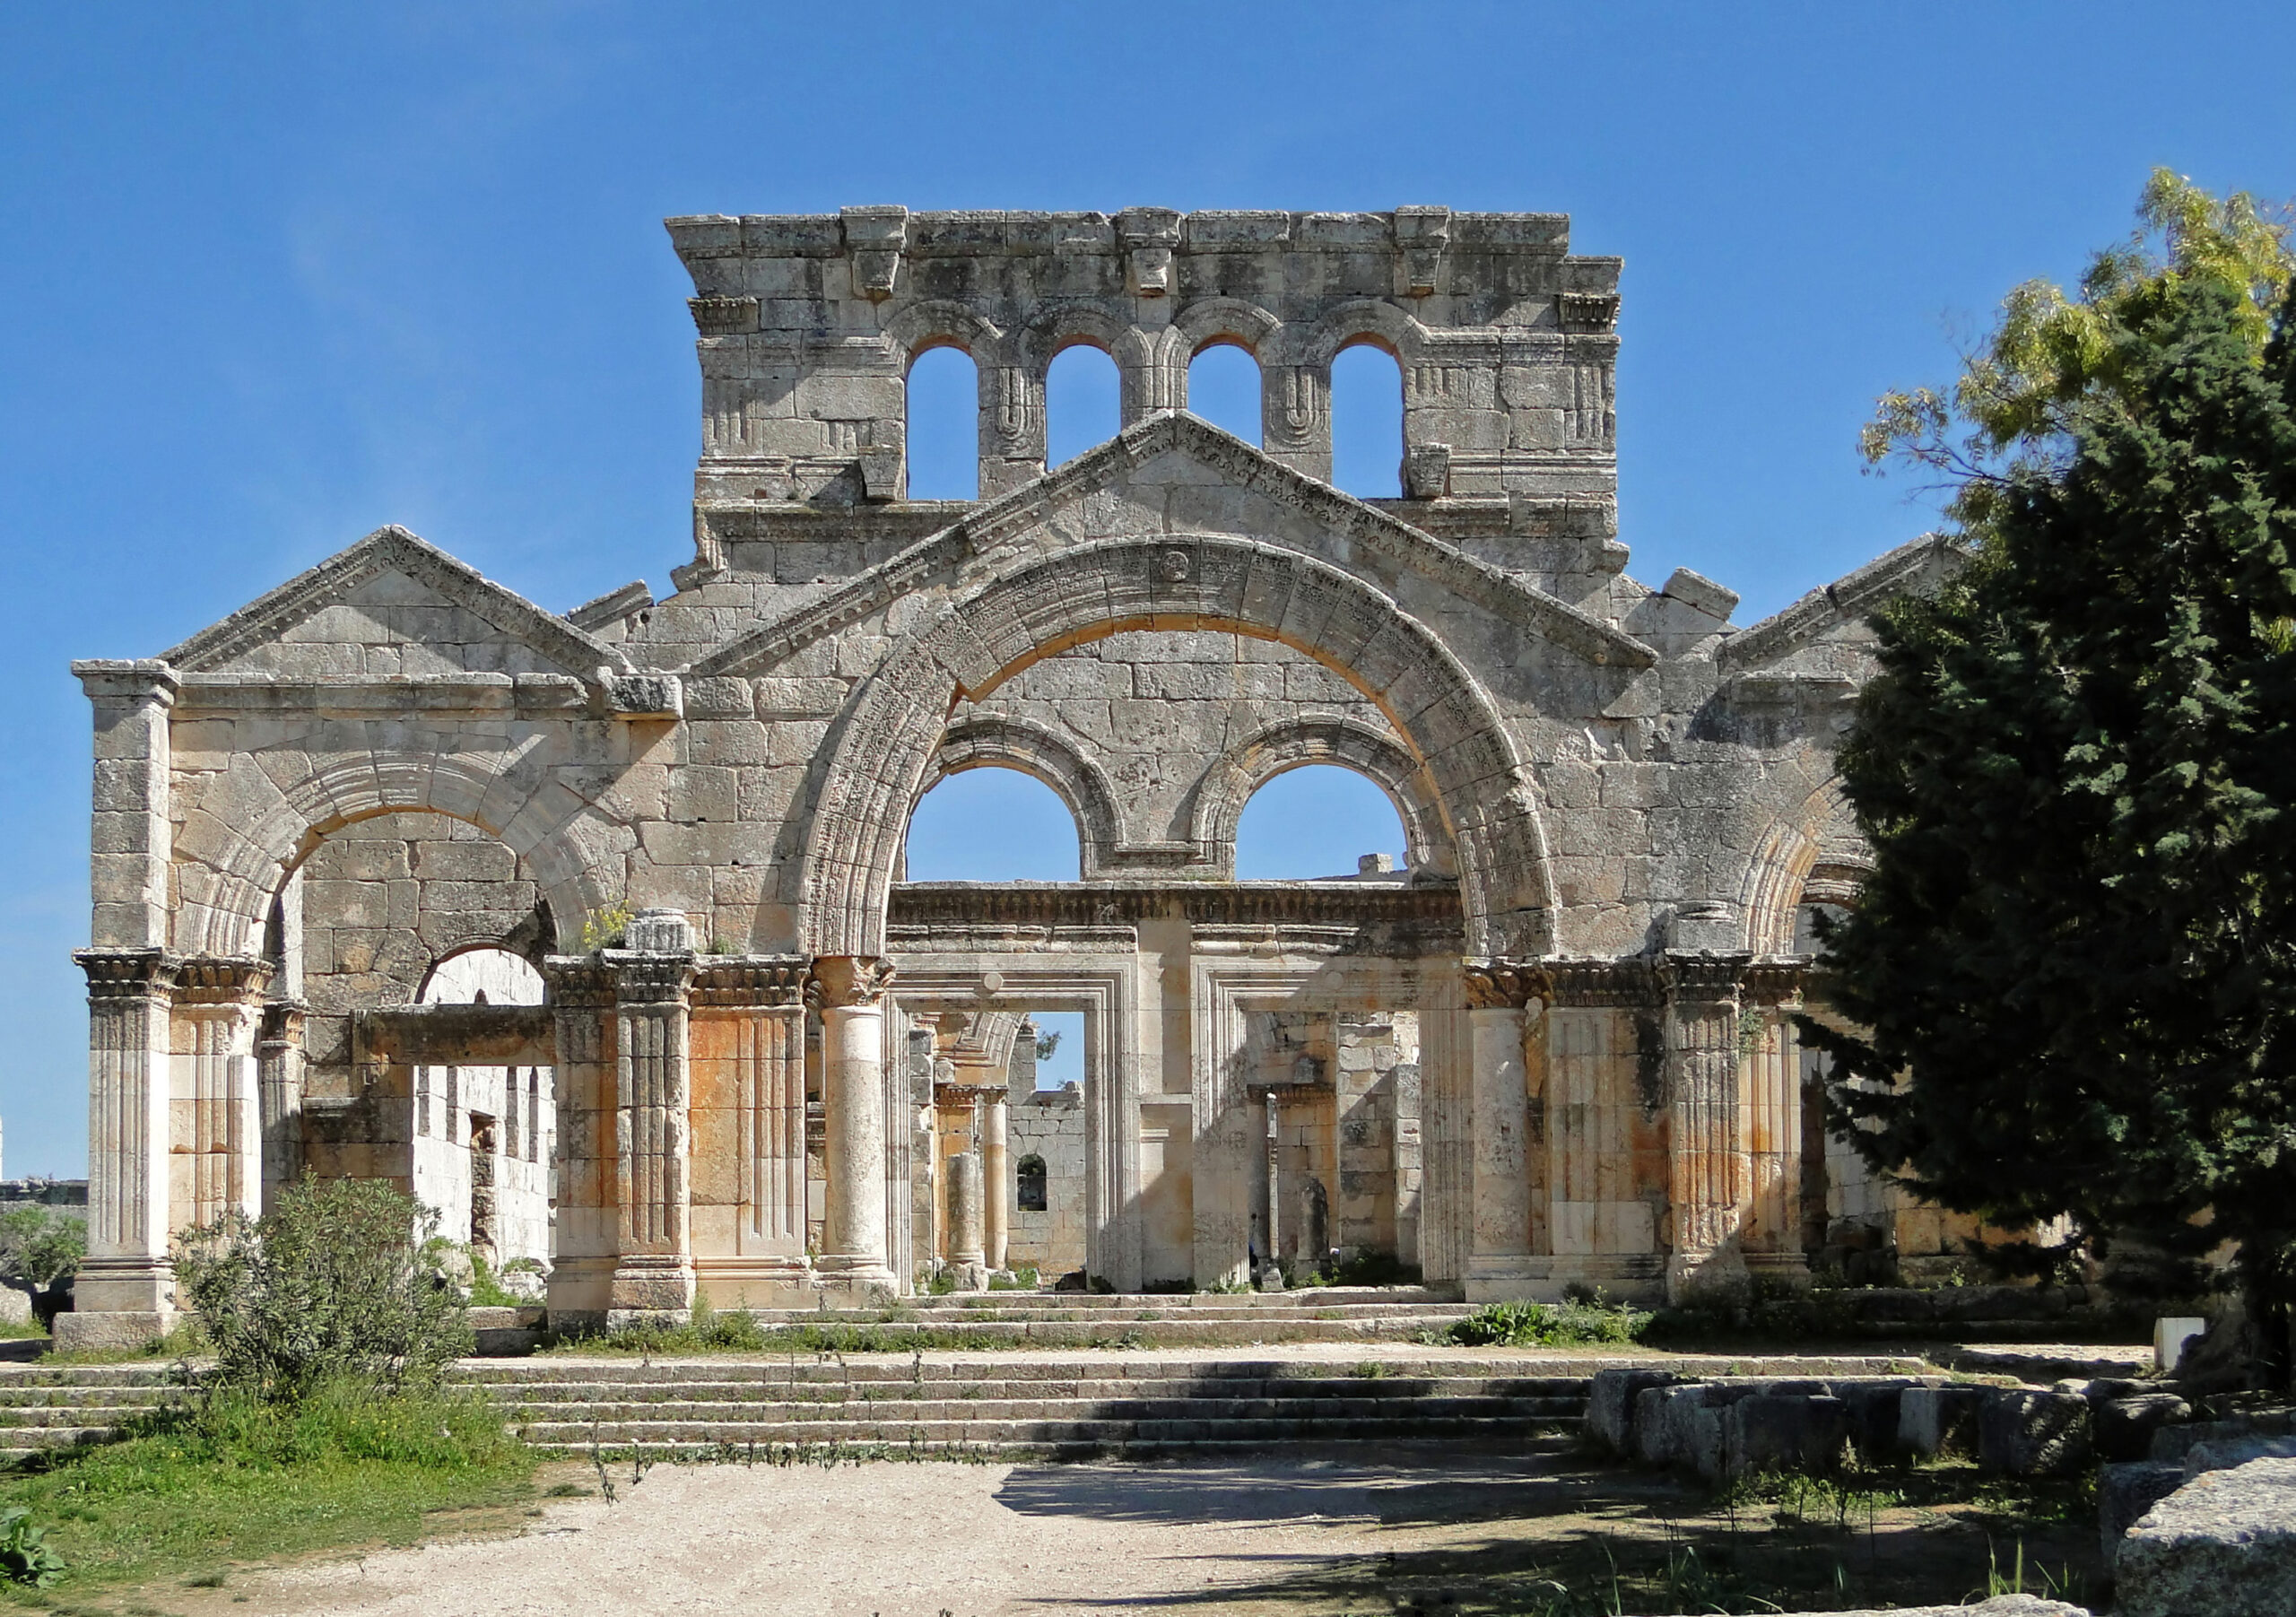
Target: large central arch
[1453, 731]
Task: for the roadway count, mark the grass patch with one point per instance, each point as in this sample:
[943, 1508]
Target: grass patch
[1545, 1325]
[227, 1478]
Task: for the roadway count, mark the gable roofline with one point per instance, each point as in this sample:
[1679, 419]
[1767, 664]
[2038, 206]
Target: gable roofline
[1249, 468]
[393, 548]
[1853, 595]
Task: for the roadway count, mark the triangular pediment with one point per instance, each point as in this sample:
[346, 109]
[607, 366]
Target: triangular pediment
[1175, 474]
[1827, 619]
[391, 604]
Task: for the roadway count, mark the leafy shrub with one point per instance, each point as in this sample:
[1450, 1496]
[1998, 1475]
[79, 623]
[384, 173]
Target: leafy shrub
[39, 1247]
[337, 1285]
[24, 1555]
[1547, 1324]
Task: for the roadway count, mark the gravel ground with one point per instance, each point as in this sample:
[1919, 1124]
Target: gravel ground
[914, 1541]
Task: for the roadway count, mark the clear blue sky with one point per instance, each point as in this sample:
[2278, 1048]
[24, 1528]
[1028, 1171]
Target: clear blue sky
[275, 275]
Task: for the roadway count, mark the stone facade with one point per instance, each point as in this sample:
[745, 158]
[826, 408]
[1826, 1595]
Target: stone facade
[689, 814]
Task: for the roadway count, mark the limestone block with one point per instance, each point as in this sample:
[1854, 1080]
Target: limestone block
[1780, 1433]
[2125, 1426]
[2026, 1433]
[15, 1306]
[2223, 1545]
[2125, 1492]
[1610, 1404]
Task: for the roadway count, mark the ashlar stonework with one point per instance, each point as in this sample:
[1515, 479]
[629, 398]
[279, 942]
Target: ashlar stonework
[1553, 1049]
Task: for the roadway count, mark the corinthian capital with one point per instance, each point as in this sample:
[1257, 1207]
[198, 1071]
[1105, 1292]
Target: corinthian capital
[840, 981]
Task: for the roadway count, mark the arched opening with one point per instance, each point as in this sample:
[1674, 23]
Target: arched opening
[1083, 402]
[1223, 389]
[1318, 822]
[1029, 1184]
[1367, 423]
[992, 824]
[482, 1149]
[943, 433]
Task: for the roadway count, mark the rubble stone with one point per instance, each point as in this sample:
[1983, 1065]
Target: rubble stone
[2222, 1545]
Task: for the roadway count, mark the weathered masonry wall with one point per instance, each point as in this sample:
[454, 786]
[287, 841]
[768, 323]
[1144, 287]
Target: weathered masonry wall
[773, 1072]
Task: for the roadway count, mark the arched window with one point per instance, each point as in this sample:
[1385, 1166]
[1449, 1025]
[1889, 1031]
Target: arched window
[993, 825]
[943, 426]
[1223, 389]
[1367, 423]
[1316, 821]
[1029, 1191]
[1083, 402]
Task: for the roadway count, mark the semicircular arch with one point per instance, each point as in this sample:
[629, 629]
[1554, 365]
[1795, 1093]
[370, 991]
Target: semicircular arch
[940, 323]
[1214, 320]
[1296, 744]
[1449, 724]
[1820, 834]
[993, 741]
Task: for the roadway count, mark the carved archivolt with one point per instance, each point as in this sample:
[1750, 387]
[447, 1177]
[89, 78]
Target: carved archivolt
[230, 866]
[1812, 854]
[886, 747]
[1222, 794]
[988, 741]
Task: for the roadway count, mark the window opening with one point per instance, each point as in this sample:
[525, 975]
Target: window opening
[1318, 822]
[943, 434]
[1083, 402]
[993, 824]
[1223, 389]
[1367, 423]
[1030, 1194]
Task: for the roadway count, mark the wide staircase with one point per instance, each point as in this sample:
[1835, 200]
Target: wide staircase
[1202, 1318]
[778, 1409]
[797, 1406]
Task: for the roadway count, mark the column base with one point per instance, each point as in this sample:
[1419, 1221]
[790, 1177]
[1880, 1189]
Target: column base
[645, 1287]
[755, 1282]
[860, 1279]
[1502, 1277]
[112, 1328]
[1708, 1278]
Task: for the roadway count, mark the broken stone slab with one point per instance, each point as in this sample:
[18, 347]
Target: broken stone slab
[2126, 1491]
[1611, 1407]
[1780, 1433]
[2026, 1432]
[2123, 1427]
[2223, 1545]
[2222, 1453]
[2171, 1444]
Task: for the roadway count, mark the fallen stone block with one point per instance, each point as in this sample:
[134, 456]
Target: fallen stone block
[2222, 1453]
[2026, 1433]
[2125, 1492]
[1931, 1419]
[1653, 1431]
[2223, 1545]
[2123, 1427]
[1874, 1415]
[2173, 1443]
[2000, 1605]
[1780, 1433]
[1611, 1407]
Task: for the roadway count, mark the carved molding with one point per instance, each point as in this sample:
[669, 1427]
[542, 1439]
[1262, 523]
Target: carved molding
[208, 979]
[749, 980]
[1493, 985]
[844, 981]
[128, 974]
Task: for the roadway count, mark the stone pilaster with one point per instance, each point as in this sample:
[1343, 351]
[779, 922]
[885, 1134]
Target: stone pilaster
[850, 991]
[1502, 1000]
[216, 1131]
[586, 1233]
[125, 1290]
[746, 1058]
[279, 1086]
[1710, 1172]
[652, 1270]
[130, 834]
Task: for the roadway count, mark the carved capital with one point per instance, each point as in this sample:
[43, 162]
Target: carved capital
[1587, 311]
[1602, 983]
[1776, 982]
[843, 981]
[723, 317]
[649, 979]
[1506, 985]
[205, 979]
[117, 975]
[749, 981]
[1702, 976]
[579, 982]
[120, 679]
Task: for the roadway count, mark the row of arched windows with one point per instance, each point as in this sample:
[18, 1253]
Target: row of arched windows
[1081, 410]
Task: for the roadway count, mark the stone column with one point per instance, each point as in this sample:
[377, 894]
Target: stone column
[966, 1257]
[850, 991]
[1710, 1172]
[125, 1293]
[1501, 1000]
[216, 1129]
[996, 1175]
[279, 1086]
[653, 1117]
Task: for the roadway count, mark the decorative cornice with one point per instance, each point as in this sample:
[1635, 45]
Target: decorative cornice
[1596, 983]
[1493, 985]
[1696, 975]
[647, 979]
[1247, 467]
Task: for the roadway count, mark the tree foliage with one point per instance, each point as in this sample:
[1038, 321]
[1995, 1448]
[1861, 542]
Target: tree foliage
[39, 1247]
[336, 1286]
[2075, 960]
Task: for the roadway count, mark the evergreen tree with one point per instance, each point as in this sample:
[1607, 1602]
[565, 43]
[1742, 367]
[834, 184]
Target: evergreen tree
[2073, 964]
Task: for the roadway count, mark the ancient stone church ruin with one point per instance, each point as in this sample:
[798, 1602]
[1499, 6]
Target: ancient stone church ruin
[589, 927]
